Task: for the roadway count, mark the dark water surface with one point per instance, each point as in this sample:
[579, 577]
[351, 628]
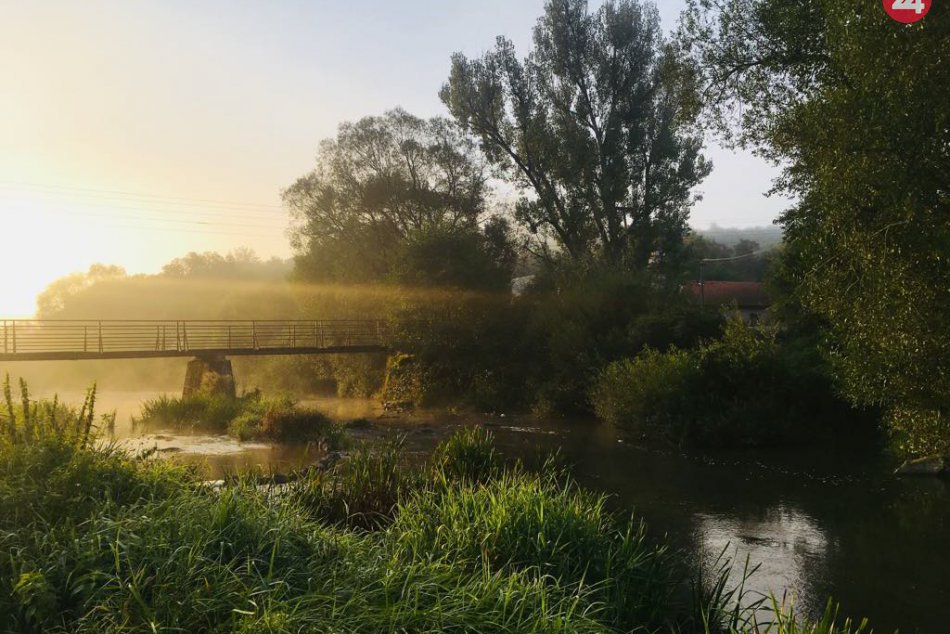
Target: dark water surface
[817, 524]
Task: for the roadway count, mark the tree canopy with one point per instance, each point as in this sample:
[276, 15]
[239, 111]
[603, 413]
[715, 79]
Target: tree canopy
[591, 127]
[57, 295]
[853, 104]
[240, 263]
[379, 182]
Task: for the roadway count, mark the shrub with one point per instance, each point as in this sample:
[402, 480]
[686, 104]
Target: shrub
[201, 410]
[52, 467]
[746, 388]
[467, 455]
[249, 417]
[915, 432]
[644, 390]
[281, 420]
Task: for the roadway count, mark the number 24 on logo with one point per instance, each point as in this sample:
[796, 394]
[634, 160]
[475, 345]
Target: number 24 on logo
[917, 6]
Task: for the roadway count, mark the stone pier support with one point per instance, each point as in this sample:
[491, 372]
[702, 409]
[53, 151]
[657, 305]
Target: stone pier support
[212, 375]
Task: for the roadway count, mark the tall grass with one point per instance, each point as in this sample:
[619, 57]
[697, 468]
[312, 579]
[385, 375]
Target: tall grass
[26, 420]
[468, 454]
[361, 492]
[97, 540]
[547, 530]
[248, 417]
[198, 411]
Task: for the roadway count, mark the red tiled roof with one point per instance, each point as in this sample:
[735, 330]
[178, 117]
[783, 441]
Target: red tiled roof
[744, 294]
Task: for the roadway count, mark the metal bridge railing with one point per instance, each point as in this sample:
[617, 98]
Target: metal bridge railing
[23, 337]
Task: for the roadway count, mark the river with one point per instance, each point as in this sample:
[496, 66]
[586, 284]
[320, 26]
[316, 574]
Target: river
[817, 524]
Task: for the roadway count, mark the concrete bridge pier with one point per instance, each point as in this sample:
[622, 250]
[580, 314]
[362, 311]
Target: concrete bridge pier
[210, 374]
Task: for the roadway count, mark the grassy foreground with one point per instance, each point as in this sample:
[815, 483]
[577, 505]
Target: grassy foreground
[98, 540]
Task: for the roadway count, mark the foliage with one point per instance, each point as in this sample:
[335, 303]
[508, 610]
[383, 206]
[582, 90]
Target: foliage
[465, 350]
[590, 128]
[26, 420]
[239, 264]
[854, 104]
[53, 468]
[361, 491]
[282, 420]
[58, 294]
[742, 262]
[637, 391]
[248, 417]
[535, 526]
[381, 180]
[462, 257]
[541, 350]
[102, 541]
[208, 412]
[748, 388]
[364, 489]
[468, 455]
[583, 318]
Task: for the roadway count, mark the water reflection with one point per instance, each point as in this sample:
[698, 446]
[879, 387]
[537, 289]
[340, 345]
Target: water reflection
[785, 546]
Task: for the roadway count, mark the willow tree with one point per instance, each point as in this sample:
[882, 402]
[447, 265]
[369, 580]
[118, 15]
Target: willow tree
[854, 104]
[380, 182]
[591, 128]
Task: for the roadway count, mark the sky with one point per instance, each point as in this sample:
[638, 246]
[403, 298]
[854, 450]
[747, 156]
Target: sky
[134, 132]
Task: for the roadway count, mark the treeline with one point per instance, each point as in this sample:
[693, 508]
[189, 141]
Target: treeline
[595, 137]
[596, 134]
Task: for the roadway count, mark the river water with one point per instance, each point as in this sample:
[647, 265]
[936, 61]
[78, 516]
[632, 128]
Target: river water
[816, 524]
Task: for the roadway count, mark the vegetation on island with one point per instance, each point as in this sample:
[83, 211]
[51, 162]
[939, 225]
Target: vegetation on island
[250, 416]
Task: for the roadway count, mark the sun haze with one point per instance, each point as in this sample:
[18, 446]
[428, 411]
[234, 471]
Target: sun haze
[134, 133]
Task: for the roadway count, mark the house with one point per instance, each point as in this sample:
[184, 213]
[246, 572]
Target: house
[750, 298]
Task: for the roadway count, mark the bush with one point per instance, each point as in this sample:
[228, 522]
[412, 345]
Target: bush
[915, 432]
[53, 469]
[747, 388]
[281, 420]
[198, 411]
[249, 417]
[643, 390]
[364, 489]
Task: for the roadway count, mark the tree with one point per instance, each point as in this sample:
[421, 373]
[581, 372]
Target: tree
[855, 106]
[381, 180]
[744, 261]
[591, 128]
[55, 297]
[458, 257]
[241, 263]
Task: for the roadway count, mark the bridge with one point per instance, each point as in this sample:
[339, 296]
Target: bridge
[208, 342]
[70, 340]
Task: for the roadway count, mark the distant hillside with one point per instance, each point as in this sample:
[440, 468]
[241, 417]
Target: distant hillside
[766, 237]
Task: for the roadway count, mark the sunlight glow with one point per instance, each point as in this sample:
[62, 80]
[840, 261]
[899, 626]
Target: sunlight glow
[53, 232]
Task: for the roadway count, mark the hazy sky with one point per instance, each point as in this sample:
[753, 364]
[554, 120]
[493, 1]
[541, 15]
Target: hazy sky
[133, 132]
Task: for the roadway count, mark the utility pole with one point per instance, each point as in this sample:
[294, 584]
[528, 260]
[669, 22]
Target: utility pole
[702, 286]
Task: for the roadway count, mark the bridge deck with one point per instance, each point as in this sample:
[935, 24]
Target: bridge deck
[66, 340]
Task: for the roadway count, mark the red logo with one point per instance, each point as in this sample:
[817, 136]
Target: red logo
[907, 11]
